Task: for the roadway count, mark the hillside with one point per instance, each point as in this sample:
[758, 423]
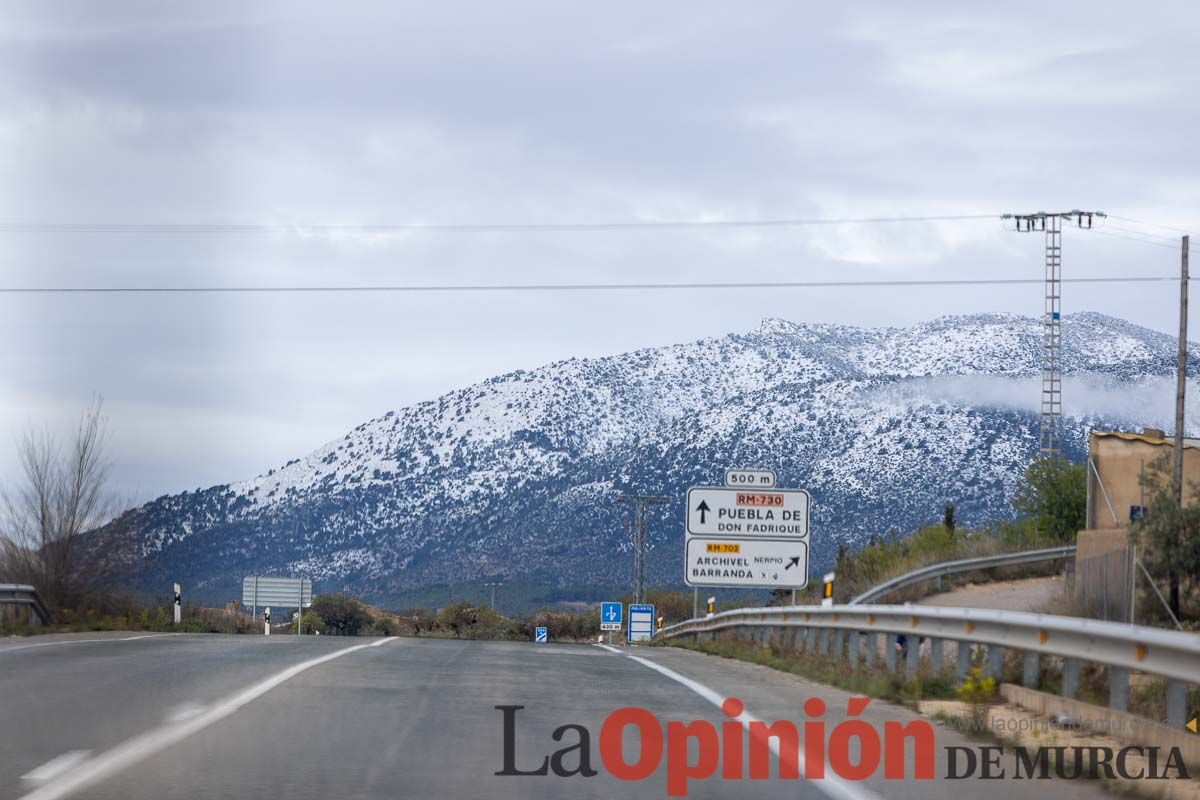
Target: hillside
[517, 477]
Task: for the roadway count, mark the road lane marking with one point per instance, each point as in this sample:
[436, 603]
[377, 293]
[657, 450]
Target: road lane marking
[830, 785]
[85, 641]
[184, 711]
[611, 649]
[55, 766]
[148, 636]
[131, 751]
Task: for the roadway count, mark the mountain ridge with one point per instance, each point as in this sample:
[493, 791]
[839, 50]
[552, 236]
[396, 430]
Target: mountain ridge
[516, 476]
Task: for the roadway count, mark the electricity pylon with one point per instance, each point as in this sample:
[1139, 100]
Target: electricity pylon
[1050, 222]
[637, 526]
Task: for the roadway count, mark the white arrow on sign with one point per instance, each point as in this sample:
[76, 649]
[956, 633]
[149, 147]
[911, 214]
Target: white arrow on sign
[748, 513]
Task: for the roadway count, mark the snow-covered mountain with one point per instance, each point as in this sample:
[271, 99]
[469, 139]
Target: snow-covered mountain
[517, 477]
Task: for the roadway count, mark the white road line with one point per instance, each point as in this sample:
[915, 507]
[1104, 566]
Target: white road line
[611, 649]
[4, 650]
[131, 751]
[55, 766]
[831, 785]
[149, 636]
[184, 711]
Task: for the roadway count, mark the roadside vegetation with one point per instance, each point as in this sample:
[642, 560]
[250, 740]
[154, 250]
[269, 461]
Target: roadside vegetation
[63, 492]
[471, 621]
[117, 613]
[1167, 538]
[1051, 503]
[873, 681]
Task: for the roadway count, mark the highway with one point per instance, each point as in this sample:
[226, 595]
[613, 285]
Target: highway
[128, 716]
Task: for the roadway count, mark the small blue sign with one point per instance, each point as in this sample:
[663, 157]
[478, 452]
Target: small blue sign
[641, 621]
[539, 634]
[611, 612]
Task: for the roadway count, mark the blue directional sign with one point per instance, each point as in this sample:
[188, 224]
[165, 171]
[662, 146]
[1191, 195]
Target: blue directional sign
[641, 621]
[610, 612]
[539, 634]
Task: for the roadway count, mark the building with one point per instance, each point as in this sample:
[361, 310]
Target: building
[1116, 463]
[1104, 569]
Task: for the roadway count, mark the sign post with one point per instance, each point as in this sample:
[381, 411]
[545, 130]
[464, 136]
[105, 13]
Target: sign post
[747, 537]
[267, 621]
[178, 605]
[827, 589]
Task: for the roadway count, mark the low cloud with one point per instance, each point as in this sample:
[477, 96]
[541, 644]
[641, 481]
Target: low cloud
[1149, 402]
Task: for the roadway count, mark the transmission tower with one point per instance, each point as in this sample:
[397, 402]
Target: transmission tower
[1050, 223]
[636, 526]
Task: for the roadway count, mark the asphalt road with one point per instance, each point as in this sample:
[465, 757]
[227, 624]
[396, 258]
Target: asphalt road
[203, 716]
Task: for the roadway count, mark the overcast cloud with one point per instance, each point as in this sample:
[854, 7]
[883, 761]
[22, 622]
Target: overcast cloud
[127, 112]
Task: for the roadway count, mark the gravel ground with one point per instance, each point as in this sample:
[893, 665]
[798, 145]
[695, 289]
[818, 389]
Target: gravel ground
[1020, 595]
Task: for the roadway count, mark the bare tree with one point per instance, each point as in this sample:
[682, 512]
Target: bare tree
[62, 494]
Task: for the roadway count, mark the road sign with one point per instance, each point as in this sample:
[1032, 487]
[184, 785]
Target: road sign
[747, 537]
[771, 513]
[779, 563]
[750, 478]
[610, 616]
[289, 592]
[539, 635]
[641, 621]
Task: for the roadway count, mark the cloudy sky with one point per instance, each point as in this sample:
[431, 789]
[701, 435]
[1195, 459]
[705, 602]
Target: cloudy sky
[146, 113]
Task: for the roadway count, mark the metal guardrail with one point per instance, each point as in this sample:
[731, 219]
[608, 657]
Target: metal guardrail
[838, 630]
[934, 571]
[24, 595]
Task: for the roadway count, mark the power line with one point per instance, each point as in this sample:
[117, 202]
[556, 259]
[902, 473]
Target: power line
[568, 227]
[1160, 237]
[1150, 224]
[567, 287]
[1135, 239]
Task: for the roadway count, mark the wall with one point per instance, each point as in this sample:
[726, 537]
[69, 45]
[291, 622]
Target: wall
[1120, 459]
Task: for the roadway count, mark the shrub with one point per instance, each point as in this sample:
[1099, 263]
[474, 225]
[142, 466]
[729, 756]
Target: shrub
[311, 623]
[1053, 492]
[342, 615]
[977, 690]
